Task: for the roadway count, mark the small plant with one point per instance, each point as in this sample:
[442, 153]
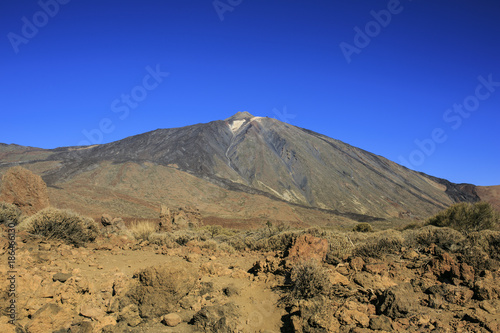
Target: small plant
[142, 230]
[65, 225]
[467, 217]
[9, 212]
[363, 227]
[379, 247]
[309, 279]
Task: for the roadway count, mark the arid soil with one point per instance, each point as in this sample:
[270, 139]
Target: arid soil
[116, 284]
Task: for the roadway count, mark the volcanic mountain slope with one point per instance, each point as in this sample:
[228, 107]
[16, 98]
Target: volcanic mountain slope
[239, 156]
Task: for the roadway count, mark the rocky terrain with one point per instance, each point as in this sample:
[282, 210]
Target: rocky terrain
[241, 225]
[423, 280]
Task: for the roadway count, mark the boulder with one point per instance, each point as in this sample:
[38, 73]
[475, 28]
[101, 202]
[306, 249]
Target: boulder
[160, 288]
[106, 220]
[49, 318]
[217, 318]
[398, 301]
[307, 247]
[171, 319]
[24, 189]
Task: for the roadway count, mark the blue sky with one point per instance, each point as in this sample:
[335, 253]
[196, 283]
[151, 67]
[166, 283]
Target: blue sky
[415, 81]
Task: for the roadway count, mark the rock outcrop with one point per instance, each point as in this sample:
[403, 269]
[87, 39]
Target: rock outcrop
[24, 189]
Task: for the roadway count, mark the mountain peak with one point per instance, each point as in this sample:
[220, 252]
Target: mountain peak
[241, 116]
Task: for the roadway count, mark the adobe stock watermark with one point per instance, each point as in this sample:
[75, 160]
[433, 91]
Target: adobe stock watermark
[453, 116]
[283, 116]
[124, 104]
[12, 273]
[30, 27]
[372, 29]
[223, 6]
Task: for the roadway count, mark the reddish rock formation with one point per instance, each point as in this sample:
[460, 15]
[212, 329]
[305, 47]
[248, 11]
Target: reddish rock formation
[24, 189]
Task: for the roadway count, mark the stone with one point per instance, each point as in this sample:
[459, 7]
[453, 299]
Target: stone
[49, 318]
[61, 277]
[92, 311]
[357, 264]
[398, 302]
[376, 268]
[453, 294]
[381, 323]
[353, 313]
[307, 247]
[171, 319]
[217, 318]
[487, 287]
[130, 315]
[337, 278]
[24, 189]
[106, 220]
[160, 287]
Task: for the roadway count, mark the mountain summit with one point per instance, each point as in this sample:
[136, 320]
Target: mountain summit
[243, 158]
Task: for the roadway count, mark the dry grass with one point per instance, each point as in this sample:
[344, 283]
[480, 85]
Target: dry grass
[309, 279]
[70, 227]
[9, 212]
[142, 230]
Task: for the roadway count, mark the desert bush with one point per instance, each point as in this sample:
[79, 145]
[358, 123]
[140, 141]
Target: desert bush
[363, 227]
[309, 279]
[446, 238]
[9, 212]
[339, 246]
[142, 230]
[280, 242]
[65, 225]
[163, 239]
[379, 244]
[413, 226]
[488, 241]
[182, 237]
[467, 217]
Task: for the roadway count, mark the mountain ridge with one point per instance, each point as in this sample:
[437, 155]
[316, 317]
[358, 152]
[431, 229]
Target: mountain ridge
[262, 156]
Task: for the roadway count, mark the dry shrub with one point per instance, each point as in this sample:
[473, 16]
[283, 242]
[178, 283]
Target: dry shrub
[363, 227]
[446, 238]
[142, 230]
[482, 250]
[488, 240]
[65, 225]
[309, 279]
[467, 217]
[339, 246]
[9, 212]
[163, 239]
[379, 244]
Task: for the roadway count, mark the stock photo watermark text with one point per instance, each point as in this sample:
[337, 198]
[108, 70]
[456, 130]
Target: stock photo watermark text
[453, 116]
[363, 37]
[124, 104]
[31, 27]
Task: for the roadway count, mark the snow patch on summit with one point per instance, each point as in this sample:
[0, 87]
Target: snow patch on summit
[235, 125]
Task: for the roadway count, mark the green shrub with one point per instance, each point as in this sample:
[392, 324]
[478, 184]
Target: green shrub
[309, 279]
[363, 227]
[9, 212]
[467, 217]
[65, 225]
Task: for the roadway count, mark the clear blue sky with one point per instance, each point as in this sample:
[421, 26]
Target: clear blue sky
[86, 66]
